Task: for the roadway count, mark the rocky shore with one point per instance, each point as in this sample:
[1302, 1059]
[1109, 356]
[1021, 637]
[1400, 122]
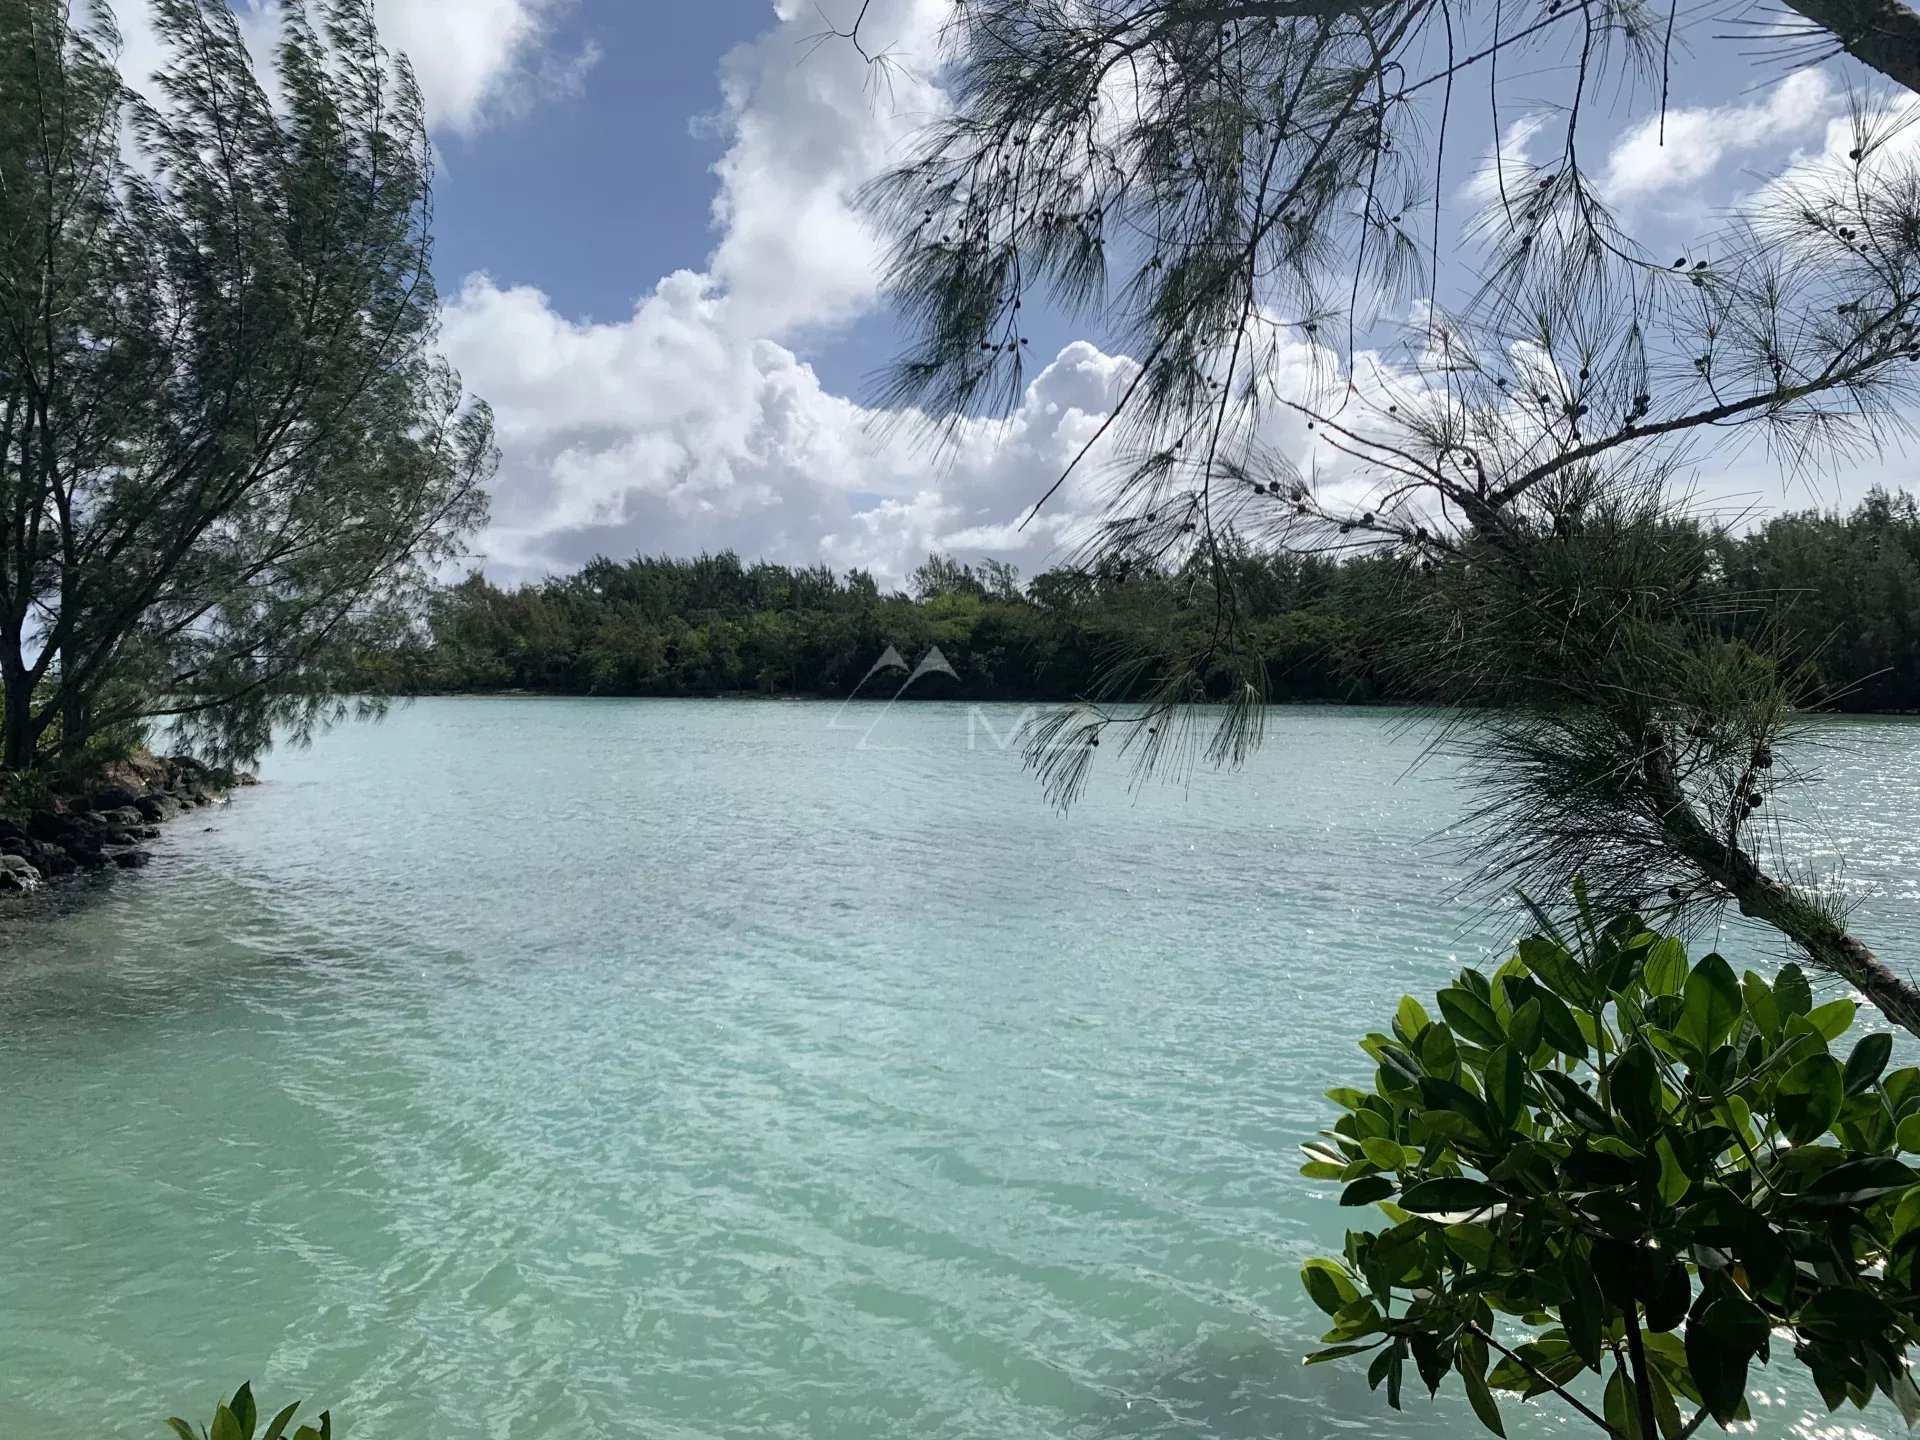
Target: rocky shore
[108, 823]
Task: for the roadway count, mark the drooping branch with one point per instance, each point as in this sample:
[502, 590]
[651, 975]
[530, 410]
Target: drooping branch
[1759, 896]
[1221, 182]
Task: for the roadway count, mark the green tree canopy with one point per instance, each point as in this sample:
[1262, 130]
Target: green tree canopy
[230, 458]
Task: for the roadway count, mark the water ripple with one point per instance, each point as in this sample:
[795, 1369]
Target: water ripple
[586, 1069]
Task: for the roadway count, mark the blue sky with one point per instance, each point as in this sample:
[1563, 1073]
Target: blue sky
[596, 195]
[653, 270]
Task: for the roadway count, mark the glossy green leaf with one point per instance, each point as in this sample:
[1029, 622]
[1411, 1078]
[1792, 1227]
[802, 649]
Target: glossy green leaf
[1556, 969]
[1905, 1396]
[1410, 1019]
[1906, 1215]
[1471, 1016]
[1449, 1194]
[1506, 1083]
[1525, 1029]
[1674, 1180]
[1666, 1305]
[1866, 1062]
[1562, 1027]
[1832, 1019]
[1574, 1101]
[1721, 1343]
[1666, 968]
[1710, 1004]
[1809, 1097]
[1848, 1314]
[1472, 1243]
[1902, 1089]
[1471, 1361]
[1439, 1055]
[1583, 1313]
[1859, 1181]
[1366, 1190]
[1619, 1408]
[1387, 1154]
[244, 1410]
[1666, 1412]
[1445, 1095]
[226, 1425]
[1758, 997]
[1791, 990]
[1327, 1286]
[280, 1422]
[1635, 1089]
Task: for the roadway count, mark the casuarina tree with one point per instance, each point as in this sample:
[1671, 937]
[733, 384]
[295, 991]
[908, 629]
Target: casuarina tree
[1237, 192]
[231, 460]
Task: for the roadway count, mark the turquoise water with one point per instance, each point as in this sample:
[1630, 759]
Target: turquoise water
[577, 1069]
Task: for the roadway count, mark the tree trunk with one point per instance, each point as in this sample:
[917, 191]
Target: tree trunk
[1883, 34]
[1827, 944]
[75, 726]
[16, 718]
[1642, 1374]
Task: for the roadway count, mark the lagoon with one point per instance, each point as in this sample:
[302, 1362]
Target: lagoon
[548, 1069]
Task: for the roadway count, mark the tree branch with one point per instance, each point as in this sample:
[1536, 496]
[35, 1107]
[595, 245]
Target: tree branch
[1761, 897]
[1560, 1390]
[1882, 34]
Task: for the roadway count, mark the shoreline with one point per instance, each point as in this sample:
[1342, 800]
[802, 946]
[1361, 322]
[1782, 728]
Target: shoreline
[876, 697]
[107, 824]
[881, 698]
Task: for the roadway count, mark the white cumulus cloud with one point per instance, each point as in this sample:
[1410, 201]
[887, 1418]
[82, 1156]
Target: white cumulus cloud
[1649, 158]
[692, 424]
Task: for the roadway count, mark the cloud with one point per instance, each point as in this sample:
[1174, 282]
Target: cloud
[1506, 164]
[477, 60]
[1643, 164]
[693, 424]
[808, 125]
[669, 432]
[480, 60]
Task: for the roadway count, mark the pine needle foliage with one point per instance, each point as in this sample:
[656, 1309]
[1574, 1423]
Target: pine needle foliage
[1236, 191]
[230, 458]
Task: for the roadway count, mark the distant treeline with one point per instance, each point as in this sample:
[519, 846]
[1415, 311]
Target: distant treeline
[1848, 592]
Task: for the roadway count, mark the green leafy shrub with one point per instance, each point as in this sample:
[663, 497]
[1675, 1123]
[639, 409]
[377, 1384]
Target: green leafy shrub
[1605, 1159]
[235, 1419]
[22, 792]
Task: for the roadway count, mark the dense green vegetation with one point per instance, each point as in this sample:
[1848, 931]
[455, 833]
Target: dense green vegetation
[232, 459]
[1604, 1161]
[1847, 592]
[714, 625]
